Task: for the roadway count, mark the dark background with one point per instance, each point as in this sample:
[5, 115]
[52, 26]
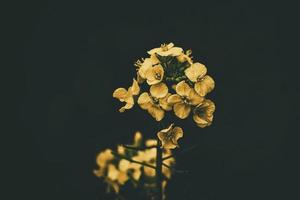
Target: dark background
[72, 55]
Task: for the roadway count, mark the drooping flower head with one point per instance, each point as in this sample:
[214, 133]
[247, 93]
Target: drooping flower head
[127, 95]
[169, 137]
[203, 113]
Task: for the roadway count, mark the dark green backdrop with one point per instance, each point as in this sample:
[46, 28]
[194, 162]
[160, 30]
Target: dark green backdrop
[74, 54]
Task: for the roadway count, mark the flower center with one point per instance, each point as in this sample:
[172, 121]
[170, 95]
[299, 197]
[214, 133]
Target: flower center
[157, 76]
[169, 135]
[199, 78]
[186, 100]
[155, 100]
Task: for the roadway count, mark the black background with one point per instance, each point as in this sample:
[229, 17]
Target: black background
[72, 55]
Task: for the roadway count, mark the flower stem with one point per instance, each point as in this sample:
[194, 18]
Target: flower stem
[158, 171]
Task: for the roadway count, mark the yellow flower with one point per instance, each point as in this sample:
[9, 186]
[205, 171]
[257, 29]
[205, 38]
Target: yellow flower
[166, 50]
[197, 74]
[155, 102]
[104, 157]
[169, 136]
[146, 64]
[184, 99]
[127, 95]
[102, 160]
[154, 74]
[203, 113]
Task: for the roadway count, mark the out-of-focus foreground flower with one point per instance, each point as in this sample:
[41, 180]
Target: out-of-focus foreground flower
[125, 165]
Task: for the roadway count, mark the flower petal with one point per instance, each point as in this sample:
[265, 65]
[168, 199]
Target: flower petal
[174, 98]
[195, 98]
[144, 101]
[164, 103]
[159, 90]
[135, 89]
[195, 71]
[155, 50]
[204, 86]
[156, 112]
[147, 64]
[178, 133]
[120, 94]
[182, 110]
[183, 89]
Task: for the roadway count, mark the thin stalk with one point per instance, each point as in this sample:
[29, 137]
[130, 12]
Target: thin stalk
[158, 171]
[134, 161]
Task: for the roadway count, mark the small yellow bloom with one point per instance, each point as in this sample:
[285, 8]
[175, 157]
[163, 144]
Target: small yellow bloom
[104, 157]
[148, 63]
[127, 95]
[155, 102]
[154, 74]
[197, 74]
[169, 137]
[203, 113]
[166, 50]
[184, 99]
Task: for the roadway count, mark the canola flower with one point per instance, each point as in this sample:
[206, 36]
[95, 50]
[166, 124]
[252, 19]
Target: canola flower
[169, 69]
[167, 80]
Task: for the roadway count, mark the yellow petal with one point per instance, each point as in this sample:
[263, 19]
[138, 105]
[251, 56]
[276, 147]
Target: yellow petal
[150, 172]
[129, 104]
[156, 112]
[124, 165]
[195, 71]
[122, 178]
[182, 110]
[144, 101]
[135, 89]
[155, 74]
[183, 89]
[150, 142]
[147, 64]
[120, 94]
[164, 103]
[170, 45]
[178, 133]
[159, 90]
[153, 51]
[174, 98]
[175, 51]
[195, 98]
[205, 85]
[113, 173]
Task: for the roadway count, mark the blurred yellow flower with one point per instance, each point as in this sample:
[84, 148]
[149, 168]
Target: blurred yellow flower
[127, 95]
[184, 99]
[102, 160]
[155, 102]
[166, 50]
[169, 137]
[197, 74]
[203, 113]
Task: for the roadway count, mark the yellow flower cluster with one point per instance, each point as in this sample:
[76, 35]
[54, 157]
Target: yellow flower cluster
[117, 170]
[166, 68]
